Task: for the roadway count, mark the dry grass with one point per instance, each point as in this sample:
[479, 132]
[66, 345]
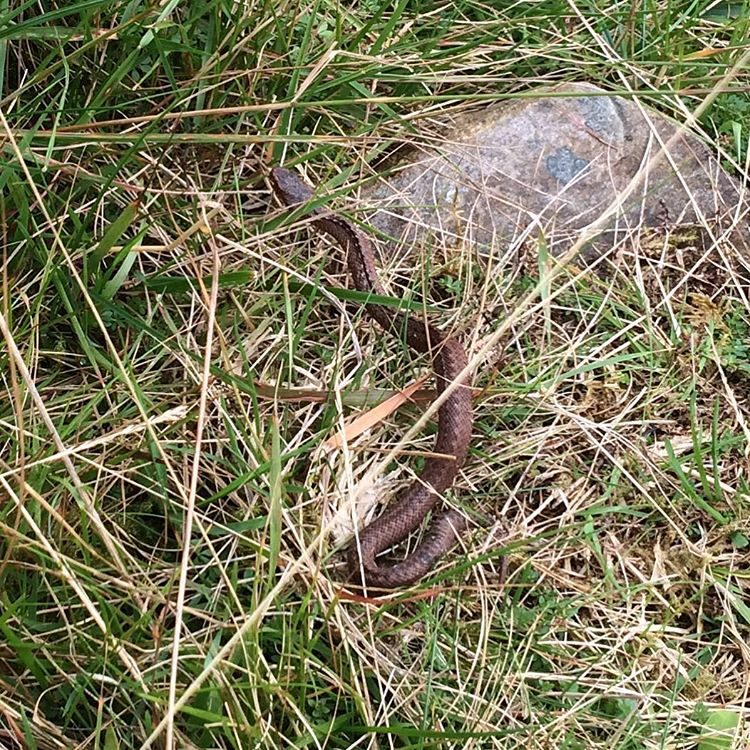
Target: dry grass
[178, 350]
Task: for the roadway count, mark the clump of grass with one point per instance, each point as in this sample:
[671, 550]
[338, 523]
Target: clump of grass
[176, 352]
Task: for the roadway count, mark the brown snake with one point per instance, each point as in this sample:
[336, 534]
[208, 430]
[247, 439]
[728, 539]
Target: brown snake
[454, 416]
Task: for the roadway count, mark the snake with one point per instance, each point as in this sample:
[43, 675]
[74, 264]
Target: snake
[449, 363]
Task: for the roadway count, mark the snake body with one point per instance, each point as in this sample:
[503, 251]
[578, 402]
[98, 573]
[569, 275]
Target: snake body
[454, 415]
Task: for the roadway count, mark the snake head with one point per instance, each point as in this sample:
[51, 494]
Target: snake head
[289, 186]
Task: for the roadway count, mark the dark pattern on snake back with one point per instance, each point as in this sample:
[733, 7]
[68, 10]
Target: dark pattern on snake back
[454, 416]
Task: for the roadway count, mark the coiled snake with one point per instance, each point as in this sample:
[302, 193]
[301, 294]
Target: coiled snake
[454, 416]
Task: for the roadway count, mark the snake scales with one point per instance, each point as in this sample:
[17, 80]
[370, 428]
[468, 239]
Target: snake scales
[454, 416]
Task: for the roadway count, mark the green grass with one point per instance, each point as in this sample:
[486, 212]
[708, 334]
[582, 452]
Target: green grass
[176, 351]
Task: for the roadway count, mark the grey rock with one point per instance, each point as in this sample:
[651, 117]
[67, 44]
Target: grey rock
[541, 169]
